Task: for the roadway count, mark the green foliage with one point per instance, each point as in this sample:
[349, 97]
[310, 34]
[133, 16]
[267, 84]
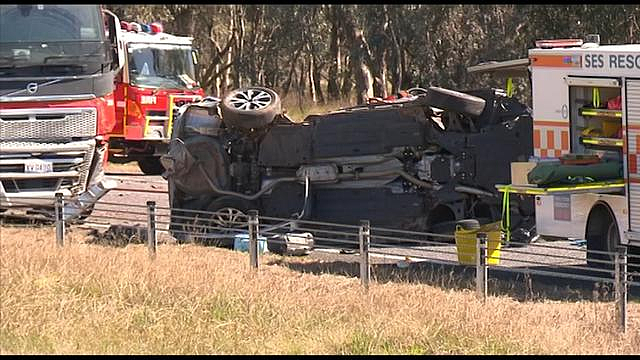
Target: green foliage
[314, 50]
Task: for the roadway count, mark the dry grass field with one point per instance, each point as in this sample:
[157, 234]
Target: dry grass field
[88, 298]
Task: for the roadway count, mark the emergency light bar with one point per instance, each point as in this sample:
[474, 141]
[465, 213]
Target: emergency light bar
[153, 28]
[549, 44]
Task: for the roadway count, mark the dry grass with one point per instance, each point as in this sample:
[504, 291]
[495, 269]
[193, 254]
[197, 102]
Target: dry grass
[131, 167]
[298, 109]
[98, 299]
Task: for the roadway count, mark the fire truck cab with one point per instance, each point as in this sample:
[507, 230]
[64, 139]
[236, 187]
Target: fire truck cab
[158, 77]
[57, 69]
[586, 101]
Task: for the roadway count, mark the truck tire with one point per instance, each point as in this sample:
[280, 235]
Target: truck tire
[250, 108]
[602, 236]
[446, 99]
[151, 165]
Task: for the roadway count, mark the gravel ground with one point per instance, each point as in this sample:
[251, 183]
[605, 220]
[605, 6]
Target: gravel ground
[125, 205]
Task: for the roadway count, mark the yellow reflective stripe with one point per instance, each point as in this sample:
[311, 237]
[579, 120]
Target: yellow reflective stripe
[596, 112]
[596, 97]
[509, 87]
[170, 122]
[505, 223]
[610, 142]
[543, 191]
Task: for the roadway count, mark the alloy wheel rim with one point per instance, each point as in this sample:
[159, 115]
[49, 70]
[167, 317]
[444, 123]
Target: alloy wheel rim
[227, 217]
[250, 99]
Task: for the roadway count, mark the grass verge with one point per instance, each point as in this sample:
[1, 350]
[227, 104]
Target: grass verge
[89, 298]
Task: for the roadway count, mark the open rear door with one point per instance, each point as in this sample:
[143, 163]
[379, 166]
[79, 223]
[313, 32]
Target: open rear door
[510, 68]
[633, 152]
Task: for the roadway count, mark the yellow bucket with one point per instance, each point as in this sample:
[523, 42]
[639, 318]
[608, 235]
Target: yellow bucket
[466, 243]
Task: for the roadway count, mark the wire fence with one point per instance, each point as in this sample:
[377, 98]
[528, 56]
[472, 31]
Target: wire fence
[481, 250]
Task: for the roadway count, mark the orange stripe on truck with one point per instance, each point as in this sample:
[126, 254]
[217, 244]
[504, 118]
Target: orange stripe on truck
[536, 139]
[561, 123]
[550, 139]
[556, 60]
[565, 140]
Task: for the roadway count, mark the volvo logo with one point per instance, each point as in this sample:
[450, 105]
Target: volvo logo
[32, 88]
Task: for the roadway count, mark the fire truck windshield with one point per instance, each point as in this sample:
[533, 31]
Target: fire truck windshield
[45, 40]
[161, 66]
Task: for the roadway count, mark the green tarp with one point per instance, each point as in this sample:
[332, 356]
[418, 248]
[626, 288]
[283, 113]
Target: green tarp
[547, 174]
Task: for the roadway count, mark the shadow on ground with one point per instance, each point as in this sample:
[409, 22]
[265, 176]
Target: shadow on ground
[501, 281]
[118, 236]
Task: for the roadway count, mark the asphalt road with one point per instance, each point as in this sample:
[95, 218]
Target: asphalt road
[126, 205]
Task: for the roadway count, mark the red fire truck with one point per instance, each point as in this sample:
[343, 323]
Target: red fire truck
[57, 70]
[158, 77]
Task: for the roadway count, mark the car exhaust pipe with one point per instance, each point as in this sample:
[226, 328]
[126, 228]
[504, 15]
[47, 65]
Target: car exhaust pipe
[474, 191]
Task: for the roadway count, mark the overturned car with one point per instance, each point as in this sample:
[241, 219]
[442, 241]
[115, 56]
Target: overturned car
[421, 163]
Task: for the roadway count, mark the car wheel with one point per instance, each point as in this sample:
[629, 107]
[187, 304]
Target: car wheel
[151, 165]
[455, 101]
[250, 108]
[228, 218]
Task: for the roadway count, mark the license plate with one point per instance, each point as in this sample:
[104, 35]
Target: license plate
[38, 166]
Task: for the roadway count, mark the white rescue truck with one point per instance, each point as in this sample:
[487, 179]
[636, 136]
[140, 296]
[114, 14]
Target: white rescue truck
[586, 101]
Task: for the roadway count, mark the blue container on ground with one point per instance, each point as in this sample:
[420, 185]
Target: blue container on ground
[241, 243]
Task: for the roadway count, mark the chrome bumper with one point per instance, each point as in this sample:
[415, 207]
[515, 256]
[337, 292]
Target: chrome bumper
[71, 175]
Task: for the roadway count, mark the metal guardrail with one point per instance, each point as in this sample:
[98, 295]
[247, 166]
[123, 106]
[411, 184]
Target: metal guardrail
[369, 241]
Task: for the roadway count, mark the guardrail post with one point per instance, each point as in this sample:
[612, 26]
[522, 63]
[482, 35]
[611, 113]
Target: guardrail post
[621, 287]
[364, 237]
[59, 220]
[253, 238]
[481, 265]
[152, 242]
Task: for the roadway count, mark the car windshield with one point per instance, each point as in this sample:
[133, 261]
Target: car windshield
[161, 66]
[42, 40]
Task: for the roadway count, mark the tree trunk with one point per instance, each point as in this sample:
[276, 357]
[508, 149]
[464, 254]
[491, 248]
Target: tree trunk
[361, 72]
[312, 83]
[292, 74]
[375, 48]
[302, 84]
[394, 63]
[333, 89]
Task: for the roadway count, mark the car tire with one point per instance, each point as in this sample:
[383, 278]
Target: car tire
[151, 165]
[446, 99]
[250, 108]
[231, 210]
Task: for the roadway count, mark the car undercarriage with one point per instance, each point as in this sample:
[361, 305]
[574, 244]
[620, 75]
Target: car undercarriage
[421, 163]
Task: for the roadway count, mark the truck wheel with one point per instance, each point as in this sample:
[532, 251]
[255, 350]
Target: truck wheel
[602, 236]
[455, 101]
[151, 165]
[250, 108]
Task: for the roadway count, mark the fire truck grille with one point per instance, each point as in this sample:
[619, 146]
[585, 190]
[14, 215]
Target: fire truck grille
[70, 164]
[47, 124]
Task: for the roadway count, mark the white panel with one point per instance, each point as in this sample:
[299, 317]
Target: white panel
[591, 82]
[633, 122]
